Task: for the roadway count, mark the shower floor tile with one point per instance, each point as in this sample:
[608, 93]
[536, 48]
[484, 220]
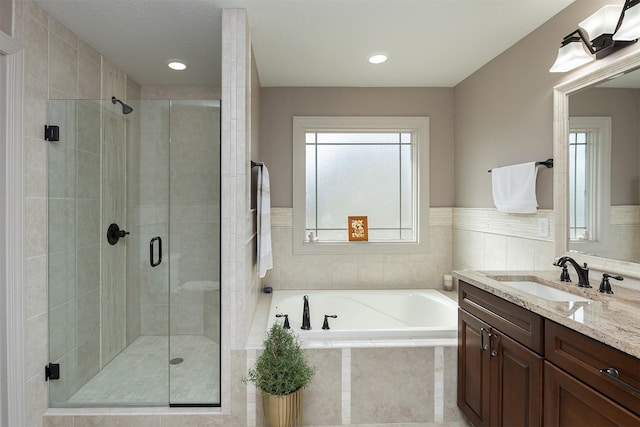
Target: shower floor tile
[142, 375]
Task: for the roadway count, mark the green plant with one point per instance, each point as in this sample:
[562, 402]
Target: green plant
[282, 368]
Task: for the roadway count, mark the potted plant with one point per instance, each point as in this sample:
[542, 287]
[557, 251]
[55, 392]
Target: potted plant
[281, 372]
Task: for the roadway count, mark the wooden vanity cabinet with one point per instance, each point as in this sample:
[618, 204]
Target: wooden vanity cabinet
[570, 402]
[576, 392]
[499, 378]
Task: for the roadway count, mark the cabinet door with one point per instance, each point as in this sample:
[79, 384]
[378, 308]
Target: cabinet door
[473, 368]
[516, 383]
[570, 402]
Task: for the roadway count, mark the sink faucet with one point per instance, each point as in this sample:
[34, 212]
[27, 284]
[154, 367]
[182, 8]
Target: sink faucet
[306, 323]
[605, 286]
[583, 272]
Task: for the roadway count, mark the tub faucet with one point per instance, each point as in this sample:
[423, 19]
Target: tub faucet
[306, 323]
[583, 272]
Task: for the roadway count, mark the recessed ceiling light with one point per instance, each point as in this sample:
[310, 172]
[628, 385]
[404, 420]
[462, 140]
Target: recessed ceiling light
[378, 57]
[177, 65]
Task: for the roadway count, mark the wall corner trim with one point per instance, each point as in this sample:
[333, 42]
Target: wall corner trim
[15, 232]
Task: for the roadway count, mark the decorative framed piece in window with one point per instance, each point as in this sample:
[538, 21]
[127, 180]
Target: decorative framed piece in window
[358, 229]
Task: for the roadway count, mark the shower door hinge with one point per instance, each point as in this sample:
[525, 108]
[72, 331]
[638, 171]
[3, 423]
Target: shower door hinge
[52, 133]
[52, 371]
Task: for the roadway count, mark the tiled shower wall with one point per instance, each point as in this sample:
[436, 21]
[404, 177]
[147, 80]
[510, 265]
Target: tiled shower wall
[174, 192]
[195, 218]
[149, 212]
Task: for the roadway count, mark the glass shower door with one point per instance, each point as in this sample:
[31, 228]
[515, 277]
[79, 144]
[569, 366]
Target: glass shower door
[195, 252]
[148, 247]
[99, 280]
[134, 253]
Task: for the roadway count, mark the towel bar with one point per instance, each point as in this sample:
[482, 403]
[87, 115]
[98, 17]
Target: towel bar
[548, 163]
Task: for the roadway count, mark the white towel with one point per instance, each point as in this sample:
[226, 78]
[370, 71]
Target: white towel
[514, 188]
[265, 254]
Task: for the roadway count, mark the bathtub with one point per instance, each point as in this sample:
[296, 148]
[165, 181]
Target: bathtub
[369, 314]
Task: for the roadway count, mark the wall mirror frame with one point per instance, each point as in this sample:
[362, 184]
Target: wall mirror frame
[604, 71]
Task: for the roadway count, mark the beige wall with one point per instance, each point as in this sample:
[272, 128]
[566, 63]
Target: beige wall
[622, 105]
[278, 106]
[504, 111]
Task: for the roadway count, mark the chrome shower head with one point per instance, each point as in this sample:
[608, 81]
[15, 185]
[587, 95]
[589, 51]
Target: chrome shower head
[125, 108]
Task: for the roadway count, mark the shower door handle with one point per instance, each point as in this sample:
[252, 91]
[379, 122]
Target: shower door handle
[151, 255]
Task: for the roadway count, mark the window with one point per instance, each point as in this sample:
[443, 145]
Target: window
[360, 166]
[589, 178]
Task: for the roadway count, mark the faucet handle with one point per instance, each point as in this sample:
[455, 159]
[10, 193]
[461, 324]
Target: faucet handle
[564, 276]
[605, 286]
[325, 325]
[286, 320]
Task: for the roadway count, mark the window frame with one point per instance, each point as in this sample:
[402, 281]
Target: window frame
[599, 181]
[419, 126]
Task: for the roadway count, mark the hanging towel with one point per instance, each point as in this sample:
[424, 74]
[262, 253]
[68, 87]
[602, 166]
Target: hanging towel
[265, 254]
[514, 188]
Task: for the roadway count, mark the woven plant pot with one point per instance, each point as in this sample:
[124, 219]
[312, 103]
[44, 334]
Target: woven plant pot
[283, 411]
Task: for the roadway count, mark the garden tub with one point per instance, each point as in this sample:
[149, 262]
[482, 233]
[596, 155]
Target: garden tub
[368, 314]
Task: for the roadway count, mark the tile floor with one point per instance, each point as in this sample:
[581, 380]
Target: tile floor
[142, 375]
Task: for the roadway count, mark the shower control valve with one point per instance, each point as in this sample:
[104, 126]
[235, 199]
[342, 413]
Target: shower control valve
[114, 233]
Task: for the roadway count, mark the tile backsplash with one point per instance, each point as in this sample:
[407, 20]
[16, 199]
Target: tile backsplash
[460, 238]
[293, 271]
[484, 239]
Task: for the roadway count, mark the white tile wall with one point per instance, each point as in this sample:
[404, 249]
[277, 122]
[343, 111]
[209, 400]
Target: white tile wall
[292, 271]
[484, 239]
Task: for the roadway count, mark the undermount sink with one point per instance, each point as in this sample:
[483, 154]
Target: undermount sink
[540, 290]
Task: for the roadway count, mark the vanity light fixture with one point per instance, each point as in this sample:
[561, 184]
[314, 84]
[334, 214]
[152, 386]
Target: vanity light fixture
[630, 27]
[176, 64]
[378, 57]
[599, 36]
[574, 52]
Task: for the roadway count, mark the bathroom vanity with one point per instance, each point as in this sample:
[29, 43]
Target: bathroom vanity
[527, 357]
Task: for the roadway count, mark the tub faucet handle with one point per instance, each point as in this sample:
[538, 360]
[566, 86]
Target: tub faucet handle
[286, 320]
[325, 325]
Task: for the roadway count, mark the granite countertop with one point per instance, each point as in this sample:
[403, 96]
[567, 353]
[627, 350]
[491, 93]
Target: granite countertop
[611, 319]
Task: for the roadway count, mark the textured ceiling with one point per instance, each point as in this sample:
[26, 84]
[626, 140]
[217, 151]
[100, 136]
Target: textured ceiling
[307, 42]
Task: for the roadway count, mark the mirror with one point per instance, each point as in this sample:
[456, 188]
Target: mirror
[604, 169]
[597, 182]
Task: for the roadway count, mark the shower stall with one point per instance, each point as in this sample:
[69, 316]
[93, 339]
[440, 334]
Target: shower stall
[134, 253]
